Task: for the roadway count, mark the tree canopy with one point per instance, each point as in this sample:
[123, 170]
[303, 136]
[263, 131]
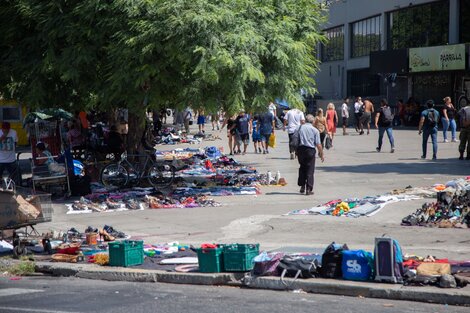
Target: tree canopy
[207, 53]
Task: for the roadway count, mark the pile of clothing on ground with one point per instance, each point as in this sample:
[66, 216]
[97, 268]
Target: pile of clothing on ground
[354, 207]
[200, 173]
[171, 136]
[369, 206]
[451, 209]
[136, 200]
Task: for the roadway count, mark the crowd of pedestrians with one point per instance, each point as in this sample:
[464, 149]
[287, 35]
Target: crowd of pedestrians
[309, 135]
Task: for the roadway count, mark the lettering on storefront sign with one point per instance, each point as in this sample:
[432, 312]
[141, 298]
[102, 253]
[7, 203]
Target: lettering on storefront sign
[440, 58]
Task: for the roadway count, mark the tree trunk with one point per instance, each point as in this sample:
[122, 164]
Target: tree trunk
[136, 131]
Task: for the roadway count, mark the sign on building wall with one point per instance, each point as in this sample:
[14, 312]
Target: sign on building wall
[440, 58]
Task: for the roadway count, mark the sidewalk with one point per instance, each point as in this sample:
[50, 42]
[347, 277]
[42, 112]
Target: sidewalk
[313, 285]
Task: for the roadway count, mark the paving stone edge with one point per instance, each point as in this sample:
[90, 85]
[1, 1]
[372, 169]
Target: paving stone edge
[315, 285]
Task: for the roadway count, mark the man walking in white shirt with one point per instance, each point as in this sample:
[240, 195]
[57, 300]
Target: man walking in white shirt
[292, 120]
[358, 111]
[345, 115]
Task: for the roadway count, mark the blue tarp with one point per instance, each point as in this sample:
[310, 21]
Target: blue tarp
[282, 103]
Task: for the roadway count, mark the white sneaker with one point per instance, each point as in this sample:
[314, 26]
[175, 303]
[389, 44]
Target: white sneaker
[446, 140]
[455, 140]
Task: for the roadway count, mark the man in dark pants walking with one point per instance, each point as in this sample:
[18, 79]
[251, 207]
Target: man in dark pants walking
[428, 127]
[309, 143]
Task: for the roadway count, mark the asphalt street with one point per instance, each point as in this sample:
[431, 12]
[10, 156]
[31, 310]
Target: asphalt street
[352, 168]
[73, 295]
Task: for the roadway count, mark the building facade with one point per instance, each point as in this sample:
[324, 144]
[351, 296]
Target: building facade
[396, 49]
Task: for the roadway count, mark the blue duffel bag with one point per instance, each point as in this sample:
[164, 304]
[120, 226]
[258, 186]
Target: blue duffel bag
[357, 265]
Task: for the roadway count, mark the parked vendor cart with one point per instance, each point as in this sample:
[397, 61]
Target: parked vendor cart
[21, 210]
[46, 128]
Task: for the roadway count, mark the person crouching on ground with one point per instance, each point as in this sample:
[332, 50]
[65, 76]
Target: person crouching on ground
[309, 144]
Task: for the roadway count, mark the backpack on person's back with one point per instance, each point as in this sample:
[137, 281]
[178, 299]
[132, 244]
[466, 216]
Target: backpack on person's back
[295, 140]
[464, 114]
[387, 116]
[431, 118]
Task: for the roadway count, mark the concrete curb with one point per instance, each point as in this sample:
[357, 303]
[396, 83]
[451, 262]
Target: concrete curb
[92, 271]
[364, 289]
[314, 285]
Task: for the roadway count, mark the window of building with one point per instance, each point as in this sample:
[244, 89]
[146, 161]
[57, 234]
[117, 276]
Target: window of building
[419, 26]
[333, 50]
[363, 83]
[434, 86]
[10, 113]
[365, 36]
[464, 21]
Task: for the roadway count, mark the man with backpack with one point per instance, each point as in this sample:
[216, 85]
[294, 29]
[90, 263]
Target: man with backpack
[293, 119]
[383, 121]
[464, 115]
[428, 127]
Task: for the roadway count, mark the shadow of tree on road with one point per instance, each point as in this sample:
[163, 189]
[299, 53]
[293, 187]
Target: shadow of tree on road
[445, 166]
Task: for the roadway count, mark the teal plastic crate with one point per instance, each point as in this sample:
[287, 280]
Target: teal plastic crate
[210, 260]
[239, 257]
[126, 253]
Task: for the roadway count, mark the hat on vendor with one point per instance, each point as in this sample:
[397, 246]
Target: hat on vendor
[6, 125]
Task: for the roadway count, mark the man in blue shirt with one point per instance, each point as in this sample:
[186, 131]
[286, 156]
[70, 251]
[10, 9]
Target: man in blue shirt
[428, 127]
[266, 121]
[243, 129]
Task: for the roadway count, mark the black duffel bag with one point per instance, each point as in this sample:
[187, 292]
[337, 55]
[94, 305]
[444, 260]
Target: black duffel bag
[298, 266]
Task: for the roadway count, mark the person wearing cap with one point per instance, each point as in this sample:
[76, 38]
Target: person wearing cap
[8, 141]
[428, 127]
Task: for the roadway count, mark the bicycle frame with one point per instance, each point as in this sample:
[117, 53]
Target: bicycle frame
[139, 172]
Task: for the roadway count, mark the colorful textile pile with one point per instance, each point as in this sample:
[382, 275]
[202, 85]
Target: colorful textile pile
[354, 207]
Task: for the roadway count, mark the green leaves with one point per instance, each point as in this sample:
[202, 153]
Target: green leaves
[212, 53]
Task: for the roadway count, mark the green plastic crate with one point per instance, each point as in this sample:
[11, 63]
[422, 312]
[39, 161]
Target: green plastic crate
[126, 253]
[239, 257]
[210, 260]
